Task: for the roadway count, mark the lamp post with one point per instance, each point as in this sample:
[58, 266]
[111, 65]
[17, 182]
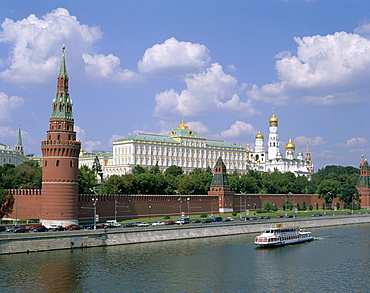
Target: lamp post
[180, 201]
[149, 211]
[188, 200]
[286, 203]
[240, 207]
[94, 200]
[352, 204]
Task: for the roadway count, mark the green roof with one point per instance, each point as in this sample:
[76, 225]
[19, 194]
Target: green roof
[149, 138]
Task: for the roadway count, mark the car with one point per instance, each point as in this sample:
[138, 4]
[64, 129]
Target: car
[207, 221]
[348, 213]
[217, 219]
[40, 229]
[316, 215]
[142, 224]
[129, 225]
[244, 219]
[361, 213]
[157, 223]
[228, 219]
[35, 227]
[196, 221]
[290, 216]
[252, 218]
[2, 228]
[265, 217]
[20, 229]
[57, 228]
[170, 223]
[279, 216]
[73, 227]
[91, 226]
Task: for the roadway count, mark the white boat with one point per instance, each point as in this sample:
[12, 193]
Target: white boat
[279, 236]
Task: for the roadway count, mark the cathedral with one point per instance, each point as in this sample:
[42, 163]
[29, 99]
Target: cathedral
[268, 160]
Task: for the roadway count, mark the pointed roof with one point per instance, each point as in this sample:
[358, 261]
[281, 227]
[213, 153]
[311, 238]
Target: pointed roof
[19, 138]
[63, 67]
[220, 177]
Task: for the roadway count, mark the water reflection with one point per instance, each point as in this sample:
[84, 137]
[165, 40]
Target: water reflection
[337, 262]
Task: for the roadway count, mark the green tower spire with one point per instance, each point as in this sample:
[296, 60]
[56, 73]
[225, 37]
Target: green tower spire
[62, 104]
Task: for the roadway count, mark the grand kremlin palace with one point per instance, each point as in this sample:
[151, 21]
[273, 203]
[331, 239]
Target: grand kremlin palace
[181, 147]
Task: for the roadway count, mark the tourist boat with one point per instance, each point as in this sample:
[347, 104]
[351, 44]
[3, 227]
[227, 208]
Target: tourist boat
[279, 236]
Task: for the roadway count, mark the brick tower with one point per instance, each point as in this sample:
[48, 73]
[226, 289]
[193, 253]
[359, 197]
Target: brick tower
[220, 186]
[363, 184]
[60, 153]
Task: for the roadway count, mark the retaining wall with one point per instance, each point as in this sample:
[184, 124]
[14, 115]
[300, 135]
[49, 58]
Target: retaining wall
[32, 242]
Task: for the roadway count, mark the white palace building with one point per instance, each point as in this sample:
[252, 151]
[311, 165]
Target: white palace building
[186, 148]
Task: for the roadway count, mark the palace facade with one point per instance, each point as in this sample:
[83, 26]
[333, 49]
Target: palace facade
[12, 156]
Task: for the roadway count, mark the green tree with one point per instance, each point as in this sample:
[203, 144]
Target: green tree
[138, 170]
[328, 189]
[86, 180]
[174, 170]
[267, 205]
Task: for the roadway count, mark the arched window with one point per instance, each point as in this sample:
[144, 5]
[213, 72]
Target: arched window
[58, 136]
[57, 163]
[46, 163]
[71, 164]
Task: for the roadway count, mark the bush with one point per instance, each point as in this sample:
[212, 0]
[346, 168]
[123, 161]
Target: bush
[310, 207]
[261, 211]
[166, 217]
[33, 220]
[203, 215]
[234, 214]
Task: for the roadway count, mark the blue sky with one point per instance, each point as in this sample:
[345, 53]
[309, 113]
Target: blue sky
[140, 66]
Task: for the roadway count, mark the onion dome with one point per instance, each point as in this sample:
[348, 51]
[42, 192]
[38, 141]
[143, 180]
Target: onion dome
[259, 135]
[290, 146]
[182, 125]
[273, 119]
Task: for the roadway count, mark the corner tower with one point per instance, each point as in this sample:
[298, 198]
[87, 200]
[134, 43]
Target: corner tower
[60, 153]
[363, 184]
[220, 186]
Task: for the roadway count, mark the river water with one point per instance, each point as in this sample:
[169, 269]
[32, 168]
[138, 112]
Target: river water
[338, 261]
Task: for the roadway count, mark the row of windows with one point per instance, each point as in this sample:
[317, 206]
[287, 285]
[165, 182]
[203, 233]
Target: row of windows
[57, 163]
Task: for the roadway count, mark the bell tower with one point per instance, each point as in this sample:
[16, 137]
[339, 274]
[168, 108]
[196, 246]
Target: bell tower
[60, 153]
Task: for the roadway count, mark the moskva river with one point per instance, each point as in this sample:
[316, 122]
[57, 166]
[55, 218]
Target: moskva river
[338, 261]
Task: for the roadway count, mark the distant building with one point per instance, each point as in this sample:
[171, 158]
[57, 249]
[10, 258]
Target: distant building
[181, 147]
[269, 160]
[9, 156]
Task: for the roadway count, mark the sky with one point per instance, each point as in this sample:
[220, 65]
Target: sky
[222, 66]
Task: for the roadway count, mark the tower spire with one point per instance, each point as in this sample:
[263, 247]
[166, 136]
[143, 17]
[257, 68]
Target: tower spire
[19, 147]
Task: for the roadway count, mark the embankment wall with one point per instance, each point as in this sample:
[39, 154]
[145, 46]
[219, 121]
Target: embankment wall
[33, 242]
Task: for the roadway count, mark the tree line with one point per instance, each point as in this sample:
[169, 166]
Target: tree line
[329, 183]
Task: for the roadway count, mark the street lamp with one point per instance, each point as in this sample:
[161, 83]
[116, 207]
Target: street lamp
[188, 200]
[352, 203]
[95, 200]
[149, 211]
[180, 201]
[286, 203]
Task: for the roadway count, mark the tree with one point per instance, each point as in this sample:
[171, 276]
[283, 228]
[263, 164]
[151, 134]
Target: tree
[138, 170]
[267, 205]
[174, 170]
[328, 189]
[86, 180]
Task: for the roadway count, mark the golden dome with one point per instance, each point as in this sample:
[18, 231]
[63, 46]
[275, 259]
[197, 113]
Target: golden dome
[259, 135]
[290, 146]
[273, 119]
[182, 125]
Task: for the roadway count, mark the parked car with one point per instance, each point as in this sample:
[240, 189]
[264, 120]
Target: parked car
[228, 219]
[183, 221]
[244, 219]
[348, 213]
[129, 225]
[112, 224]
[40, 229]
[252, 218]
[20, 229]
[196, 221]
[207, 221]
[2, 228]
[57, 228]
[170, 223]
[142, 224]
[316, 215]
[265, 217]
[35, 227]
[158, 223]
[279, 216]
[290, 216]
[217, 219]
[73, 227]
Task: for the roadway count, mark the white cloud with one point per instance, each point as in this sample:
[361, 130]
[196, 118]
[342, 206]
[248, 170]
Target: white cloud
[363, 29]
[7, 131]
[198, 127]
[80, 133]
[91, 145]
[113, 138]
[354, 142]
[313, 141]
[327, 70]
[238, 129]
[174, 58]
[108, 67]
[8, 105]
[207, 91]
[36, 42]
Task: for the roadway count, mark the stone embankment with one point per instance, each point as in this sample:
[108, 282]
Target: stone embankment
[33, 242]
